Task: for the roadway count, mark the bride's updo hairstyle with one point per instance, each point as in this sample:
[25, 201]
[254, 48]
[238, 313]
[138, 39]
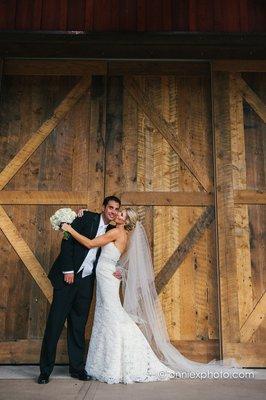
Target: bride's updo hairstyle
[131, 219]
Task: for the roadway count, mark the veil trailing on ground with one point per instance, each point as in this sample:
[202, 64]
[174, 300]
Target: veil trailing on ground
[142, 303]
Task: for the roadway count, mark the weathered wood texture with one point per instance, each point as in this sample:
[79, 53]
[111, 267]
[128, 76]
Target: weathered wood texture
[147, 116]
[255, 148]
[240, 135]
[70, 159]
[111, 141]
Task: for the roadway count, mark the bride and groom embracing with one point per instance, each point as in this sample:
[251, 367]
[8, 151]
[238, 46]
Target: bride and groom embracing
[129, 343]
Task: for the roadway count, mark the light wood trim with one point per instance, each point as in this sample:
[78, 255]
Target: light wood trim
[239, 65]
[25, 253]
[168, 132]
[44, 131]
[252, 98]
[184, 248]
[54, 67]
[254, 319]
[42, 197]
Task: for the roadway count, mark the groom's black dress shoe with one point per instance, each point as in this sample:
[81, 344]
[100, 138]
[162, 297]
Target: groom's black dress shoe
[81, 375]
[43, 378]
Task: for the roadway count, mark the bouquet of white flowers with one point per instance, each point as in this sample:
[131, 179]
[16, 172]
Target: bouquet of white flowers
[60, 216]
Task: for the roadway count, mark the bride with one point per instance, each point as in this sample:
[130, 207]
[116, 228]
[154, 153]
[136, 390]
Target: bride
[130, 343]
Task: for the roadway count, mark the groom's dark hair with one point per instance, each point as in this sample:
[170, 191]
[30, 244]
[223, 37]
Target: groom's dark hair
[111, 198]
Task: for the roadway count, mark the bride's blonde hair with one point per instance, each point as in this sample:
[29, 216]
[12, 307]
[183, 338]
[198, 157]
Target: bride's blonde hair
[131, 219]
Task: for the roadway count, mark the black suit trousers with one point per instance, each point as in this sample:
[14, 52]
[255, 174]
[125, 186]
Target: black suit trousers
[71, 303]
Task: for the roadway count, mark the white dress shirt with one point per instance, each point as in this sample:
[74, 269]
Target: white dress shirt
[87, 264]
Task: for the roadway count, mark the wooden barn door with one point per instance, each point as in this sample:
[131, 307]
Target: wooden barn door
[72, 133]
[240, 140]
[52, 156]
[159, 159]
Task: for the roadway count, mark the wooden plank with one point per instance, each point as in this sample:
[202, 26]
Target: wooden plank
[198, 350]
[159, 68]
[251, 98]
[114, 178]
[95, 166]
[256, 176]
[172, 137]
[4, 290]
[250, 196]
[247, 354]
[27, 351]
[225, 209]
[167, 198]
[254, 320]
[159, 90]
[242, 234]
[143, 170]
[44, 131]
[42, 197]
[54, 67]
[239, 65]
[184, 248]
[25, 253]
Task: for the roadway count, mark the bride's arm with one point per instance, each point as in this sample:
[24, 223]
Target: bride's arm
[99, 241]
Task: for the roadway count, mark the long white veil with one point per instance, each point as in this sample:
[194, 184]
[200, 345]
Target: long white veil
[142, 303]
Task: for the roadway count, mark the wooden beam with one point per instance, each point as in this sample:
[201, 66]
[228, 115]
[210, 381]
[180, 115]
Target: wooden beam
[254, 320]
[242, 231]
[42, 197]
[159, 68]
[250, 197]
[198, 350]
[239, 65]
[169, 133]
[184, 248]
[166, 198]
[44, 131]
[182, 199]
[54, 67]
[225, 208]
[134, 45]
[27, 351]
[251, 98]
[26, 255]
[247, 354]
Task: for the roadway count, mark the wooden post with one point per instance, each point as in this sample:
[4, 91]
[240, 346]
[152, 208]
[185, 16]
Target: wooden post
[225, 209]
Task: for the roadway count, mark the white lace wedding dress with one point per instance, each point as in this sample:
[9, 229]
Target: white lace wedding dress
[118, 350]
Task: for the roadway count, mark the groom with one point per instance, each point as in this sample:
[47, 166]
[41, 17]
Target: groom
[72, 276]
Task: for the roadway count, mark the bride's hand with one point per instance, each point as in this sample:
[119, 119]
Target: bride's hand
[66, 227]
[80, 212]
[117, 274]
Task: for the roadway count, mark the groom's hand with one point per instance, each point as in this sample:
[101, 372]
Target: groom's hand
[69, 278]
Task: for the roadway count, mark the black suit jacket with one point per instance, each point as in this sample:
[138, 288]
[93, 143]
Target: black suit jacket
[72, 253]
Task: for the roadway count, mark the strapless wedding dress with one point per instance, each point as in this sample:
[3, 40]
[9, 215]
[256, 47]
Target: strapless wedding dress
[118, 350]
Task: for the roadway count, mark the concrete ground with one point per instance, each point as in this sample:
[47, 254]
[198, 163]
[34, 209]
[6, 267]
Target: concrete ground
[19, 383]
